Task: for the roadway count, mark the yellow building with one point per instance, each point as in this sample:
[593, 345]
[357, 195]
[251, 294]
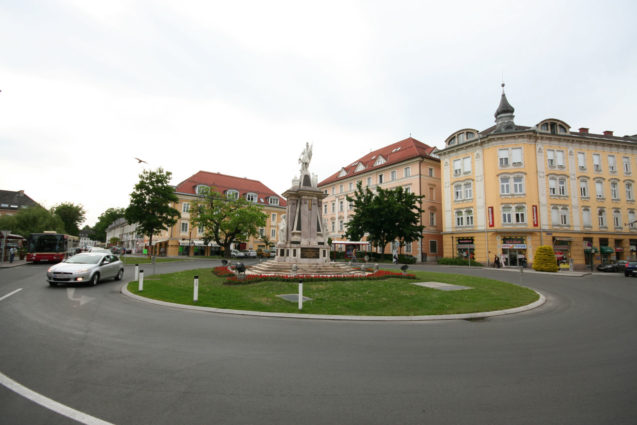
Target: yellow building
[408, 163]
[184, 239]
[509, 189]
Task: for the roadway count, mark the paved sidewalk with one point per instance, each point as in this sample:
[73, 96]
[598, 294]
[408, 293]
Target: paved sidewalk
[15, 263]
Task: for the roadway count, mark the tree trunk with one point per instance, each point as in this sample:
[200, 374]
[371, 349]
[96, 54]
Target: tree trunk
[150, 246]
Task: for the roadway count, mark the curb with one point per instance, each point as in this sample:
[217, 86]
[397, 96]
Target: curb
[465, 316]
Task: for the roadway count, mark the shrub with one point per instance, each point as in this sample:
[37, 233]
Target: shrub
[406, 259]
[544, 260]
[458, 261]
[377, 275]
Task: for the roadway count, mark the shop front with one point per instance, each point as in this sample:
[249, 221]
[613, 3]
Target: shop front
[513, 251]
[607, 253]
[633, 249]
[465, 248]
[562, 249]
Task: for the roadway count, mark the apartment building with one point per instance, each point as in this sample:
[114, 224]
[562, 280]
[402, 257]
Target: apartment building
[408, 163]
[509, 189]
[185, 239]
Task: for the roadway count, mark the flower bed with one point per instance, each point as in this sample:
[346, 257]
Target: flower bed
[247, 279]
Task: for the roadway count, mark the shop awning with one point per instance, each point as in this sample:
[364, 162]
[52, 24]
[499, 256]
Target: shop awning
[606, 249]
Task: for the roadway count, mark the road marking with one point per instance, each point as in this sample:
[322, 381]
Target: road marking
[83, 299]
[43, 401]
[11, 293]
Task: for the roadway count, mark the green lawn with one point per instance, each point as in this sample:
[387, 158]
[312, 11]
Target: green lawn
[391, 297]
[146, 260]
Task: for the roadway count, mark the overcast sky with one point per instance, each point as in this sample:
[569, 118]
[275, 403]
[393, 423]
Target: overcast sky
[239, 87]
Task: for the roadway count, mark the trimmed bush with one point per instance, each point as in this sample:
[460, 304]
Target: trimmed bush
[544, 260]
[458, 261]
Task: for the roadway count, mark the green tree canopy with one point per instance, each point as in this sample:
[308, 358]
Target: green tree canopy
[227, 220]
[385, 216]
[150, 203]
[72, 216]
[105, 220]
[34, 219]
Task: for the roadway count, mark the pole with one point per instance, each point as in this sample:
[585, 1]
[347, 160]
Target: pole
[196, 289]
[136, 272]
[300, 295]
[140, 288]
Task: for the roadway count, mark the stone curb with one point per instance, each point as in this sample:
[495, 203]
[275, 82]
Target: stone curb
[466, 316]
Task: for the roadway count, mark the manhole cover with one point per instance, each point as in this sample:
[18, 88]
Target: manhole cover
[293, 298]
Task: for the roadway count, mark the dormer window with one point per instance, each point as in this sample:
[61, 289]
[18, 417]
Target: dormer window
[553, 126]
[379, 161]
[202, 189]
[251, 197]
[343, 172]
[232, 194]
[273, 200]
[359, 167]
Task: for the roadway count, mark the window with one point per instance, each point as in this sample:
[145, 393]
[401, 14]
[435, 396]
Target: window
[359, 167]
[459, 218]
[272, 233]
[468, 216]
[333, 190]
[407, 172]
[581, 160]
[586, 218]
[185, 207]
[251, 197]
[561, 186]
[273, 218]
[333, 207]
[599, 189]
[340, 188]
[626, 162]
[457, 167]
[351, 186]
[516, 157]
[232, 194]
[552, 186]
[433, 247]
[506, 215]
[555, 215]
[505, 188]
[559, 216]
[408, 248]
[432, 218]
[333, 226]
[202, 189]
[550, 158]
[468, 190]
[432, 194]
[261, 231]
[559, 158]
[520, 214]
[597, 162]
[617, 219]
[612, 164]
[631, 218]
[340, 225]
[407, 189]
[583, 188]
[340, 206]
[184, 227]
[629, 191]
[324, 208]
[380, 179]
[518, 185]
[457, 192]
[466, 165]
[392, 175]
[601, 217]
[369, 181]
[380, 161]
[200, 229]
[614, 190]
[503, 157]
[564, 216]
[431, 173]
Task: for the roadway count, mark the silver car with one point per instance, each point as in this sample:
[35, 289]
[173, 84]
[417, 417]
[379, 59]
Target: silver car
[88, 267]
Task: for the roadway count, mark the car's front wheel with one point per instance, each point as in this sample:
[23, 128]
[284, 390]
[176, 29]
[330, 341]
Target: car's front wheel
[53, 284]
[120, 274]
[95, 279]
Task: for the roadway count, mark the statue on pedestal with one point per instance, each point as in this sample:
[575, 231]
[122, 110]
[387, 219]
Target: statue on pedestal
[305, 158]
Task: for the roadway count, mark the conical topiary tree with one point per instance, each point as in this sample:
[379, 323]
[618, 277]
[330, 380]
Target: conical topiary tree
[544, 259]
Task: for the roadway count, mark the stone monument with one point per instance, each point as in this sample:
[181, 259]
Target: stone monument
[302, 234]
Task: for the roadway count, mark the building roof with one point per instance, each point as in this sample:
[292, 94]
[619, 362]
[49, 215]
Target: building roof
[15, 200]
[222, 183]
[504, 107]
[391, 154]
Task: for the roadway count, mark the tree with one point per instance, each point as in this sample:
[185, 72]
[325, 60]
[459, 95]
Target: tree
[150, 203]
[385, 216]
[104, 220]
[31, 220]
[227, 221]
[72, 216]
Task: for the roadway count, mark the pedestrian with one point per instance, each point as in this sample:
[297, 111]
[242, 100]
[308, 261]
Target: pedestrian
[12, 252]
[496, 262]
[395, 259]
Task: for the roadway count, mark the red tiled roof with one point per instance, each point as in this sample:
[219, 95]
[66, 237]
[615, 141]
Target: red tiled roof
[223, 182]
[393, 154]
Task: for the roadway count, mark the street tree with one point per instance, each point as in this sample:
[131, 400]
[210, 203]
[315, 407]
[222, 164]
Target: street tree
[72, 216]
[150, 203]
[227, 221]
[104, 220]
[34, 219]
[384, 216]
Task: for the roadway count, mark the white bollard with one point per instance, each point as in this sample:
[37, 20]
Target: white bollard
[300, 295]
[141, 281]
[195, 297]
[136, 272]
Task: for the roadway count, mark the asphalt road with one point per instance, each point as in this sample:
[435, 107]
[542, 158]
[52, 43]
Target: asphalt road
[571, 361]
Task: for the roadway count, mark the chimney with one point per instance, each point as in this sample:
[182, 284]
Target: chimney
[583, 130]
[608, 132]
[20, 192]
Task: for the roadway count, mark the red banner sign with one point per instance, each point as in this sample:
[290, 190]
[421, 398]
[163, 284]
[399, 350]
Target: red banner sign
[490, 213]
[535, 221]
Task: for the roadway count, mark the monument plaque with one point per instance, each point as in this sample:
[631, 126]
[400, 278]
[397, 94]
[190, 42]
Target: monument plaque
[310, 253]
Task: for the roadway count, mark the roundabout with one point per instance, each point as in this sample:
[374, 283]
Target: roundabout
[122, 361]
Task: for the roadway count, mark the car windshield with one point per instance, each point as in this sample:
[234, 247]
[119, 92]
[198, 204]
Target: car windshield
[84, 259]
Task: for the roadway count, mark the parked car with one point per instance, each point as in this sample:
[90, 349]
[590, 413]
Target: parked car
[630, 268]
[87, 267]
[237, 254]
[251, 253]
[617, 266]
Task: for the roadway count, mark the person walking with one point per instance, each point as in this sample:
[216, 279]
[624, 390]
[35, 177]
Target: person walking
[12, 252]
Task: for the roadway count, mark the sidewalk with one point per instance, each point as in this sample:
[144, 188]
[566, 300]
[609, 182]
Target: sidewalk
[16, 263]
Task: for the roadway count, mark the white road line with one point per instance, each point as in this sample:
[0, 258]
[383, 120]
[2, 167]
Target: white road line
[11, 293]
[50, 404]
